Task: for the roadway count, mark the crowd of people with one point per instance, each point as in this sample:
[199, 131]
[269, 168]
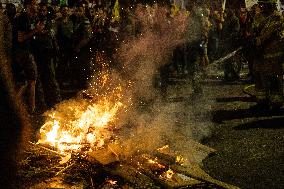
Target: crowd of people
[52, 46]
[238, 36]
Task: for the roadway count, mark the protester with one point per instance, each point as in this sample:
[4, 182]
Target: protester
[53, 44]
[269, 45]
[65, 31]
[45, 50]
[25, 68]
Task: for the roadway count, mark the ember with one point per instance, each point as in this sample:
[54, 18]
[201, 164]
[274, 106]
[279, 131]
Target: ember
[89, 125]
[169, 174]
[112, 182]
[153, 161]
[84, 124]
[84, 133]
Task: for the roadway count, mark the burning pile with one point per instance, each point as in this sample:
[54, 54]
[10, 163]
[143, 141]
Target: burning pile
[78, 125]
[158, 169]
[83, 134]
[86, 124]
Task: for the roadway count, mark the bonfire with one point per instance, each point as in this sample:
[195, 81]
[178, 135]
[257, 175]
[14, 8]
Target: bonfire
[80, 144]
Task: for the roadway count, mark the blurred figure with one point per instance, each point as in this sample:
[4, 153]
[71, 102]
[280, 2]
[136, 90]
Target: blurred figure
[24, 66]
[251, 30]
[9, 32]
[45, 50]
[197, 57]
[269, 46]
[65, 41]
[15, 124]
[230, 37]
[214, 35]
[81, 67]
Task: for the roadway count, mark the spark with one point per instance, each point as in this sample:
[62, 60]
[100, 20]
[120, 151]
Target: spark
[113, 182]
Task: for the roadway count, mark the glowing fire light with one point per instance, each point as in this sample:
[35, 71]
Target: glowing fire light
[83, 124]
[155, 162]
[51, 136]
[88, 127]
[168, 174]
[180, 159]
[163, 148]
[113, 182]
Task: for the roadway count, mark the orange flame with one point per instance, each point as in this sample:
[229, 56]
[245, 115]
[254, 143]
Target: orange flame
[87, 127]
[81, 124]
[169, 174]
[153, 161]
[112, 182]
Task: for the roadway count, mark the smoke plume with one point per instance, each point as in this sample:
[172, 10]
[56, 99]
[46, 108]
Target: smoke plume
[153, 122]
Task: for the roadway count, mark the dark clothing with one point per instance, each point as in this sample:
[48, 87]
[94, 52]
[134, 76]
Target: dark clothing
[213, 39]
[65, 42]
[24, 24]
[246, 39]
[82, 30]
[196, 49]
[81, 65]
[179, 60]
[195, 57]
[8, 35]
[44, 49]
[25, 68]
[231, 32]
[65, 32]
[268, 70]
[230, 42]
[13, 121]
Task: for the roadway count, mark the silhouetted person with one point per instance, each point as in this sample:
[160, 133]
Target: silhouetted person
[13, 118]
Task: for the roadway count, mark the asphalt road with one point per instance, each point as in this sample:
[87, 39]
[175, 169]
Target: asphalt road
[249, 143]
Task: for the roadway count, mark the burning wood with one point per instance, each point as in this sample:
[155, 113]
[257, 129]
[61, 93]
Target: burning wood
[80, 125]
[80, 138]
[139, 171]
[86, 144]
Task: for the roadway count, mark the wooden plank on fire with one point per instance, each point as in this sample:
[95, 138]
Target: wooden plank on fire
[46, 149]
[195, 171]
[191, 169]
[160, 173]
[176, 180]
[105, 155]
[189, 142]
[131, 175]
[190, 150]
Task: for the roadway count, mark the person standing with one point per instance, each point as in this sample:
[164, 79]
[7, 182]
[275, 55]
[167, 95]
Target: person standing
[15, 123]
[230, 37]
[269, 45]
[65, 40]
[197, 58]
[81, 65]
[45, 48]
[24, 66]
